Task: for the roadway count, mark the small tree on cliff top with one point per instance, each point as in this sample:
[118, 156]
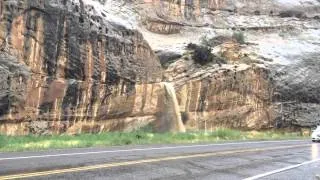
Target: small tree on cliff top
[202, 55]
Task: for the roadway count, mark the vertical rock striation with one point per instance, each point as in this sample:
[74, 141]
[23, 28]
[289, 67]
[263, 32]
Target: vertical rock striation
[230, 96]
[80, 66]
[63, 63]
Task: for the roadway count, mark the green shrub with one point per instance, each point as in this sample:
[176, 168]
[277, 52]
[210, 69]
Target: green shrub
[202, 55]
[239, 37]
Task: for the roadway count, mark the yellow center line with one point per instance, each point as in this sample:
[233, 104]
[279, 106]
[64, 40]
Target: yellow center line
[128, 163]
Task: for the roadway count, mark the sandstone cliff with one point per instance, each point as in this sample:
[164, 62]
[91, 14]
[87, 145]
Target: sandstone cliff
[282, 35]
[233, 96]
[90, 66]
[62, 62]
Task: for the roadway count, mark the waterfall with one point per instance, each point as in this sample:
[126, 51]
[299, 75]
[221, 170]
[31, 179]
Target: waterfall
[171, 116]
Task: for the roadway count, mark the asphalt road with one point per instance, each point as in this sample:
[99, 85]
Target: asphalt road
[239, 160]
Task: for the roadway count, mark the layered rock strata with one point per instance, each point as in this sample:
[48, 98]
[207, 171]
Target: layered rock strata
[84, 65]
[229, 96]
[282, 35]
[63, 63]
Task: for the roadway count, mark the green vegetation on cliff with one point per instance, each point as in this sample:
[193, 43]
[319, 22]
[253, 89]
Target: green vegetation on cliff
[35, 143]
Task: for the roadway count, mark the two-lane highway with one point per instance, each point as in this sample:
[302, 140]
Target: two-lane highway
[238, 160]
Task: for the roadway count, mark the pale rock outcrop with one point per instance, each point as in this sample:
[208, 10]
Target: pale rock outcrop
[297, 93]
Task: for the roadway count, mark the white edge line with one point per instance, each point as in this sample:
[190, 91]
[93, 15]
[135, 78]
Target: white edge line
[280, 170]
[145, 149]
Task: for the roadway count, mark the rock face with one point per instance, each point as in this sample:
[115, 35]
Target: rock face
[230, 96]
[282, 35]
[63, 63]
[171, 16]
[297, 93]
[90, 66]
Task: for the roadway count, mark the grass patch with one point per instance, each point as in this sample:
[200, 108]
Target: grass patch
[36, 143]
